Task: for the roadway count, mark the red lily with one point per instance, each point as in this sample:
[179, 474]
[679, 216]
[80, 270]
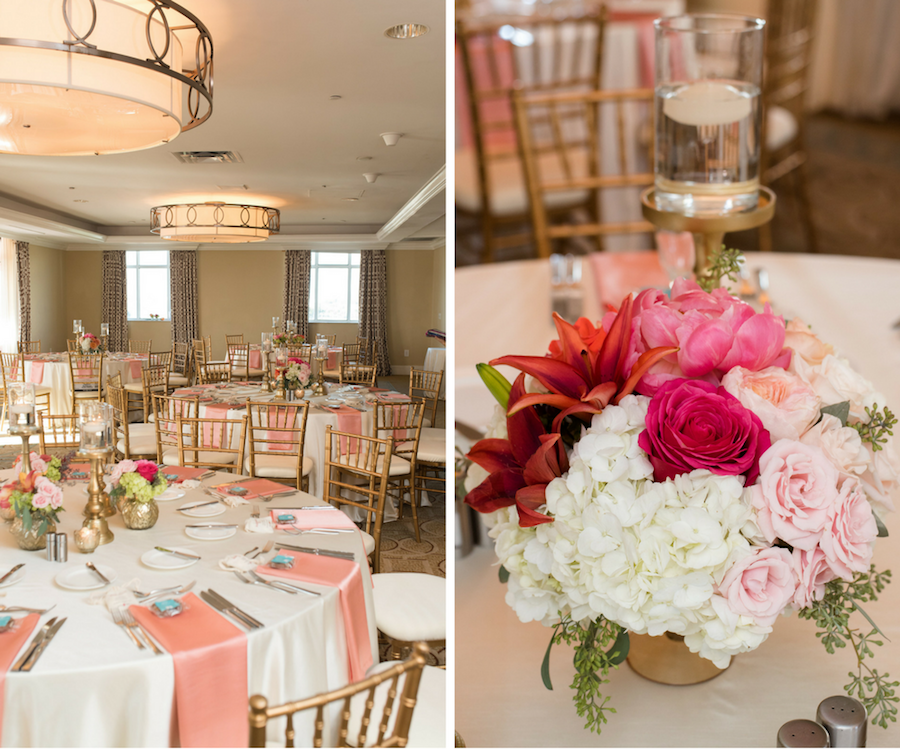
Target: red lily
[585, 378]
[521, 467]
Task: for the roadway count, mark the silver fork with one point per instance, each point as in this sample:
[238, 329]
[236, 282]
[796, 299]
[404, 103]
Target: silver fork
[267, 548]
[5, 608]
[119, 619]
[133, 625]
[263, 582]
[257, 578]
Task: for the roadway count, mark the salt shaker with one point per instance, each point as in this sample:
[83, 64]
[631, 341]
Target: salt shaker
[802, 733]
[845, 719]
[50, 537]
[62, 548]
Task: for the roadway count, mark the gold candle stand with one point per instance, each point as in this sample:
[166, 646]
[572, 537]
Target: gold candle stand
[280, 393]
[318, 388]
[708, 231]
[98, 507]
[266, 386]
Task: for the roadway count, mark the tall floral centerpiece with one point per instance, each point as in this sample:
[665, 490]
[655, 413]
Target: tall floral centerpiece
[693, 468]
[135, 485]
[89, 343]
[36, 499]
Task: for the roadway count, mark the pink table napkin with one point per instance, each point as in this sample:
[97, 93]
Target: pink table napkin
[210, 656]
[136, 366]
[256, 359]
[617, 274]
[349, 420]
[393, 397]
[286, 417]
[346, 576]
[212, 434]
[331, 363]
[36, 375]
[11, 643]
[314, 519]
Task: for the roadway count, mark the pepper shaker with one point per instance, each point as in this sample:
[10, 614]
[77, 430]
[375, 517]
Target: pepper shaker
[802, 733]
[62, 547]
[51, 546]
[845, 719]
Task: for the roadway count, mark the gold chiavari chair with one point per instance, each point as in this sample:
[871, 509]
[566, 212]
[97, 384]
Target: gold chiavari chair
[160, 358]
[12, 367]
[72, 346]
[215, 372]
[350, 354]
[426, 384]
[403, 423]
[136, 346]
[154, 379]
[180, 374]
[130, 440]
[562, 53]
[431, 457]
[29, 347]
[211, 442]
[276, 435]
[114, 381]
[239, 357]
[379, 693]
[58, 431]
[165, 409]
[234, 338]
[353, 374]
[87, 377]
[361, 465]
[332, 339]
[564, 129]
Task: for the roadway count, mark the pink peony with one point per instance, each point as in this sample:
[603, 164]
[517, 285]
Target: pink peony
[760, 585]
[714, 332]
[785, 405]
[813, 572]
[849, 537]
[795, 494]
[47, 493]
[147, 469]
[694, 425]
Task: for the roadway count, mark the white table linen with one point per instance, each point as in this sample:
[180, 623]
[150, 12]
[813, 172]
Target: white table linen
[58, 378]
[94, 688]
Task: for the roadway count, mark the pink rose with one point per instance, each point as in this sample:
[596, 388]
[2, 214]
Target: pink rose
[785, 405]
[842, 445]
[123, 467]
[147, 469]
[47, 493]
[760, 585]
[849, 538]
[796, 491]
[813, 572]
[694, 425]
[38, 463]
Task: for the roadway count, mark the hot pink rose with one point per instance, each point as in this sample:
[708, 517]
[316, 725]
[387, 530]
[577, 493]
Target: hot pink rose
[47, 493]
[760, 585]
[813, 572]
[147, 469]
[796, 491]
[694, 425]
[849, 537]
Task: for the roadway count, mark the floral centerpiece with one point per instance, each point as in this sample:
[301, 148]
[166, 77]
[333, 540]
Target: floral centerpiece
[36, 499]
[297, 374]
[134, 487]
[285, 340]
[688, 466]
[89, 343]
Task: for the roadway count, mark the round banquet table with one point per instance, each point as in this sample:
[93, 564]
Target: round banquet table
[500, 699]
[56, 375]
[92, 686]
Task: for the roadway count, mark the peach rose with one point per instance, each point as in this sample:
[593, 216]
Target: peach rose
[760, 585]
[805, 343]
[783, 402]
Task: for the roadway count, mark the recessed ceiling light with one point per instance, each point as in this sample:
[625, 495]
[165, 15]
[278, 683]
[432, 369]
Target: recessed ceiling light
[406, 31]
[358, 158]
[335, 97]
[351, 199]
[79, 200]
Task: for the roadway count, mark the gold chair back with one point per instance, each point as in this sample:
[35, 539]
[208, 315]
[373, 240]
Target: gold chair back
[154, 379]
[426, 384]
[277, 424]
[136, 346]
[72, 346]
[239, 357]
[215, 372]
[58, 431]
[86, 371]
[181, 359]
[350, 354]
[559, 134]
[399, 703]
[355, 374]
[211, 442]
[165, 409]
[160, 358]
[29, 347]
[118, 400]
[234, 338]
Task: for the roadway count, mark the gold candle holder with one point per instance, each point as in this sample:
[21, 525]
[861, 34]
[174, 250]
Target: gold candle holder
[318, 388]
[266, 386]
[280, 393]
[98, 507]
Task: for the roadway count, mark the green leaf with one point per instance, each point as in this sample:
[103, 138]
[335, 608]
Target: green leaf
[498, 385]
[26, 518]
[841, 411]
[545, 665]
[42, 529]
[619, 651]
[882, 529]
[504, 574]
[871, 621]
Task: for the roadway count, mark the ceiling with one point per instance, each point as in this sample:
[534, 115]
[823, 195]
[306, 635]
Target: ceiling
[277, 65]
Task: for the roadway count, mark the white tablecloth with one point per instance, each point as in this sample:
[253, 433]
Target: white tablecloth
[500, 700]
[94, 688]
[436, 361]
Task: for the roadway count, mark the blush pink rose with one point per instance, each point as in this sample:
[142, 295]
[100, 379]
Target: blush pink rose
[760, 585]
[123, 467]
[849, 538]
[794, 496]
[38, 463]
[813, 571]
[48, 493]
[785, 404]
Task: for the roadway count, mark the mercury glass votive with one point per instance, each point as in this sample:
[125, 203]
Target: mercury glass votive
[21, 407]
[95, 422]
[86, 539]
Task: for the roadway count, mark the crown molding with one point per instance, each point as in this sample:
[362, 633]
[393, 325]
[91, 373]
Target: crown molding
[403, 219]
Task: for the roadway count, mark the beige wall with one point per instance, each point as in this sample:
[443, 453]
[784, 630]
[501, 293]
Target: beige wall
[48, 313]
[84, 291]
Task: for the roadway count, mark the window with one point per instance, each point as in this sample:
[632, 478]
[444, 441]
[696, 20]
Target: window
[334, 288]
[147, 274]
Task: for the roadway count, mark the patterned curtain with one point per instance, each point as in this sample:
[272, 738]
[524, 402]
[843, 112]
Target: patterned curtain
[296, 289]
[373, 304]
[183, 283]
[115, 302]
[23, 261]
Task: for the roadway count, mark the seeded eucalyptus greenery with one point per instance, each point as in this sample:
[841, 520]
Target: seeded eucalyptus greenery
[725, 263]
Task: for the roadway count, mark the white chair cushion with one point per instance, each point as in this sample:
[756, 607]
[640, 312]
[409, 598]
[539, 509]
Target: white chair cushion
[134, 387]
[507, 178]
[178, 380]
[170, 457]
[410, 606]
[140, 442]
[781, 128]
[432, 450]
[399, 465]
[428, 726]
[42, 390]
[433, 433]
[86, 394]
[281, 467]
[331, 373]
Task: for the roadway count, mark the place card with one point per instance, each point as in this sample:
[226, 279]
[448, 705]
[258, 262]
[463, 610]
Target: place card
[284, 562]
[7, 622]
[167, 608]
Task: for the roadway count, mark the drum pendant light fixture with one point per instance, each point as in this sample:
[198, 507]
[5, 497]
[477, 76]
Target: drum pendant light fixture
[100, 76]
[214, 222]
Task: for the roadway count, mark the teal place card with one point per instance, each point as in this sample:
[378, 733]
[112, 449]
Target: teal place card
[5, 621]
[286, 517]
[167, 604]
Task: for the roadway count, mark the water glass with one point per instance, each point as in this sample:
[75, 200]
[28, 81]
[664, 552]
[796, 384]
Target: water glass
[708, 117]
[566, 295]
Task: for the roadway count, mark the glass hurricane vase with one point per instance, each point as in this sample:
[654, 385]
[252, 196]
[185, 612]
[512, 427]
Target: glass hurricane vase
[31, 539]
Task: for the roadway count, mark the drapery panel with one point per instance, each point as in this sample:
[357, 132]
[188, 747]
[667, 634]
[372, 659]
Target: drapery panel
[296, 289]
[9, 297]
[23, 261]
[183, 289]
[115, 299]
[373, 304]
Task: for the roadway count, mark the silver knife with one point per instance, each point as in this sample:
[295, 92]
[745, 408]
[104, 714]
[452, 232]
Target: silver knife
[11, 571]
[211, 526]
[90, 566]
[35, 642]
[178, 554]
[223, 605]
[197, 505]
[42, 645]
[316, 551]
[213, 602]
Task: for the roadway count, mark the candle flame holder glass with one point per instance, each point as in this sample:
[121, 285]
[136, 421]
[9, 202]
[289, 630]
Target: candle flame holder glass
[22, 419]
[95, 423]
[708, 113]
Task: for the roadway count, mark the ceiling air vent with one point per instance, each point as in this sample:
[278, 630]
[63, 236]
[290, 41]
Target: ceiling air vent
[207, 157]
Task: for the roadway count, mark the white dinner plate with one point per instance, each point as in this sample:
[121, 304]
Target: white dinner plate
[213, 533]
[205, 511]
[13, 579]
[164, 561]
[173, 493]
[80, 578]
